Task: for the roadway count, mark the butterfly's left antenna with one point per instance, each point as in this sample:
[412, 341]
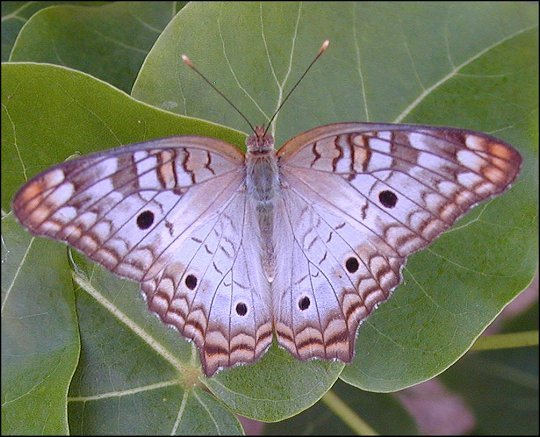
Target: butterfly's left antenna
[188, 62]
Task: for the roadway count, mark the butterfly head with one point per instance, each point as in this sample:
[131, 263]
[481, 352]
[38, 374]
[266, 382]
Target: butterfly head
[260, 142]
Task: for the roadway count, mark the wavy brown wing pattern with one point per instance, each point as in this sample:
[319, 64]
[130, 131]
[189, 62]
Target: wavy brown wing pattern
[119, 206]
[360, 198]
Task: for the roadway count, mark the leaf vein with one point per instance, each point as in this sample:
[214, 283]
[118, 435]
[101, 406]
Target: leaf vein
[454, 72]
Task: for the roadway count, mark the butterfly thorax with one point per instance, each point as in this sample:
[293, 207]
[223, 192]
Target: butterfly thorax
[262, 175]
[263, 186]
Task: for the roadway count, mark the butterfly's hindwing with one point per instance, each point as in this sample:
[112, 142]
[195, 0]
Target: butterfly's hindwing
[328, 280]
[214, 291]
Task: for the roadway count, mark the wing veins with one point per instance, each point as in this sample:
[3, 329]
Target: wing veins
[320, 270]
[368, 269]
[349, 216]
[178, 236]
[223, 277]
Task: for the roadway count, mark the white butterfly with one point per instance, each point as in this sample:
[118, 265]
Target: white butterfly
[303, 242]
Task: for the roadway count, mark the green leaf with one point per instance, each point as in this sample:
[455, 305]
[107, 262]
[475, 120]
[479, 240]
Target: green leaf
[59, 94]
[374, 408]
[467, 277]
[277, 387]
[52, 113]
[110, 42]
[40, 342]
[16, 14]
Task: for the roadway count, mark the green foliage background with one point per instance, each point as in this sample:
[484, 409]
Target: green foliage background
[81, 353]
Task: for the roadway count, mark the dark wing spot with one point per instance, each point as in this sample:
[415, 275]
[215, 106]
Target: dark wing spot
[191, 282]
[145, 219]
[304, 303]
[388, 198]
[241, 309]
[352, 264]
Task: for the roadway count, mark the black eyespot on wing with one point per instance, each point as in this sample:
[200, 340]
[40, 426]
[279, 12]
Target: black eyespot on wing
[145, 219]
[352, 264]
[304, 303]
[241, 309]
[191, 282]
[388, 198]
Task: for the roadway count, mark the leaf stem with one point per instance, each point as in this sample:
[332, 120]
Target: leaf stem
[345, 413]
[506, 341]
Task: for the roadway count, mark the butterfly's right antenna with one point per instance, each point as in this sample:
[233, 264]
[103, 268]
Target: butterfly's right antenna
[188, 62]
[323, 48]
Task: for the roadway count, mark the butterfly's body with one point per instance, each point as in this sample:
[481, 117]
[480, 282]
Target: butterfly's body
[303, 242]
[263, 188]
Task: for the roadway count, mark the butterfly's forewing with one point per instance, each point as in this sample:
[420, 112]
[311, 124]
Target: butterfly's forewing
[169, 214]
[358, 199]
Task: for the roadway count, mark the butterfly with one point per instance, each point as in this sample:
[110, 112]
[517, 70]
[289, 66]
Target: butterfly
[301, 243]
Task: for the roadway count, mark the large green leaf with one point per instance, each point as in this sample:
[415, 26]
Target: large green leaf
[15, 14]
[40, 342]
[383, 60]
[110, 42]
[95, 108]
[142, 382]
